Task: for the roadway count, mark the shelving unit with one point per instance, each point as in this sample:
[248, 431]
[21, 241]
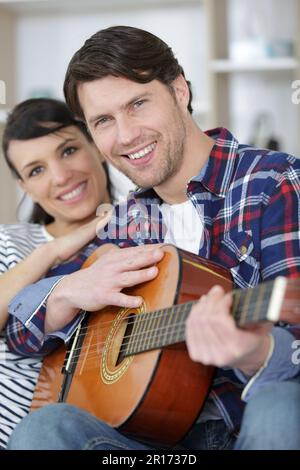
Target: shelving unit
[232, 81]
[260, 65]
[8, 188]
[233, 91]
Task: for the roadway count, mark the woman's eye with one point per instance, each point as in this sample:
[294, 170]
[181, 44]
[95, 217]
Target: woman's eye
[35, 171]
[69, 151]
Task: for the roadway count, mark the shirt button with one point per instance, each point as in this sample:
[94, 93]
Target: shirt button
[243, 250]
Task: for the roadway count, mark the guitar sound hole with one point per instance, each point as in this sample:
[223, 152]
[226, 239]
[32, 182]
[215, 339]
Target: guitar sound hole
[126, 339]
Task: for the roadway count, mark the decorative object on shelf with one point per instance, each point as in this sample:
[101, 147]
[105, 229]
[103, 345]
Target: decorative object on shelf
[41, 93]
[263, 135]
[2, 92]
[255, 33]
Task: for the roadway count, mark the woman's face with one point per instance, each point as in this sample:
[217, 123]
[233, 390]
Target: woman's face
[62, 172]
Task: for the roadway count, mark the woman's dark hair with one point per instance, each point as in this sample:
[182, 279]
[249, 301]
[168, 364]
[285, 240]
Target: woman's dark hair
[121, 51]
[27, 121]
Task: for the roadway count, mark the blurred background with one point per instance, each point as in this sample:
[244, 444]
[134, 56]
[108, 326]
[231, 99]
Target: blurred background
[242, 57]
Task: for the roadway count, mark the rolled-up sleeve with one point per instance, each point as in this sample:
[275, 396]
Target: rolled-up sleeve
[280, 366]
[26, 324]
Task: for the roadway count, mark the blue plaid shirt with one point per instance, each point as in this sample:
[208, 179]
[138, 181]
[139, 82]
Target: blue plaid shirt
[249, 200]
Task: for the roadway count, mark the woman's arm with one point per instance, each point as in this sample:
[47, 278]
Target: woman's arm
[36, 265]
[26, 272]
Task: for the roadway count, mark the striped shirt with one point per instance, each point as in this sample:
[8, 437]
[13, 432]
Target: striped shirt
[18, 375]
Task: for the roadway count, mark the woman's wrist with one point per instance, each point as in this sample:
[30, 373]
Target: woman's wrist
[51, 253]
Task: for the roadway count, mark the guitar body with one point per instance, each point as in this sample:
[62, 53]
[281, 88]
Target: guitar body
[155, 395]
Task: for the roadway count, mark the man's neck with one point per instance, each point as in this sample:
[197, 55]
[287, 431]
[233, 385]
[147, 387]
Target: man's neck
[196, 153]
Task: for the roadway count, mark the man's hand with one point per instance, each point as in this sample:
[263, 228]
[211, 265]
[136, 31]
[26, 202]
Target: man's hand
[213, 338]
[101, 284]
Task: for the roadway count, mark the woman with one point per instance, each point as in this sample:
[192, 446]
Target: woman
[57, 165]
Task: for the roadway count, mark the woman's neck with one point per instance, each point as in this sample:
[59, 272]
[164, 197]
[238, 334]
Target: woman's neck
[58, 228]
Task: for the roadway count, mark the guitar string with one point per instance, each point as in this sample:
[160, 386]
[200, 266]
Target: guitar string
[145, 316]
[161, 336]
[288, 303]
[144, 334]
[92, 355]
[162, 313]
[137, 335]
[141, 336]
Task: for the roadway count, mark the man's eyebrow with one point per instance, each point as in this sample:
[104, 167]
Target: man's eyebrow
[129, 103]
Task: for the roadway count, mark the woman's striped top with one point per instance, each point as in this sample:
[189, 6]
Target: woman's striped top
[18, 375]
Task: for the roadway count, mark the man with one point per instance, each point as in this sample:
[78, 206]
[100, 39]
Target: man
[241, 206]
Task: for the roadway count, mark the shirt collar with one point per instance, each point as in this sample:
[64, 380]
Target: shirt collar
[216, 175]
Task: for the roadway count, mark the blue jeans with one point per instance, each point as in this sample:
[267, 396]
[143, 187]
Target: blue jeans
[271, 421]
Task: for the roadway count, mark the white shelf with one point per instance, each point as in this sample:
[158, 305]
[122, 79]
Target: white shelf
[201, 107]
[3, 115]
[264, 64]
[66, 6]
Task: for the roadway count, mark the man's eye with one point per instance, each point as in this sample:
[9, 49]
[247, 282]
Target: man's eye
[102, 121]
[69, 151]
[139, 103]
[35, 171]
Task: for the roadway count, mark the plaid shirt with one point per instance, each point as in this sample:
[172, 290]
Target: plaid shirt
[249, 200]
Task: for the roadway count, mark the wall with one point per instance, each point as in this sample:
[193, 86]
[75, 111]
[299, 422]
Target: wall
[8, 75]
[45, 43]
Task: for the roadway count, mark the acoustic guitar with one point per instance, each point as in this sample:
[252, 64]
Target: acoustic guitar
[130, 367]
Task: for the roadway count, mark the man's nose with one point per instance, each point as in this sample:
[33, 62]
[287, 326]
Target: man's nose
[128, 130]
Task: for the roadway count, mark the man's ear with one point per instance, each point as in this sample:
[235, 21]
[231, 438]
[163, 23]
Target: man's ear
[182, 91]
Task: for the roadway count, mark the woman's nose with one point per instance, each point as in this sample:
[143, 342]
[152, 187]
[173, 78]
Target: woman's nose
[60, 174]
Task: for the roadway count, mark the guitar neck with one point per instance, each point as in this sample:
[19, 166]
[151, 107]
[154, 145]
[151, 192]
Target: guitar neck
[165, 327]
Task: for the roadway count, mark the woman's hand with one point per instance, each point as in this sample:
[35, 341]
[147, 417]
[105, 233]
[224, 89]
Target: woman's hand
[66, 246]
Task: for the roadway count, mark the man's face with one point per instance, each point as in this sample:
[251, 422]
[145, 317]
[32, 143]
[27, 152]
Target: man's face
[139, 128]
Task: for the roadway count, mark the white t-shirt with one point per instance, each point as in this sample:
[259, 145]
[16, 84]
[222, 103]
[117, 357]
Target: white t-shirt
[184, 226]
[18, 374]
[120, 185]
[185, 230]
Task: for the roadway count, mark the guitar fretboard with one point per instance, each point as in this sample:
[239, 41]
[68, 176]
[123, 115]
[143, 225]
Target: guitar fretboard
[165, 327]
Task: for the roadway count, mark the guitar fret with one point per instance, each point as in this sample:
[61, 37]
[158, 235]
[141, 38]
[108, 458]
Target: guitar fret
[246, 302]
[174, 334]
[166, 332]
[255, 314]
[142, 340]
[179, 335]
[159, 321]
[137, 330]
[155, 323]
[236, 303]
[151, 329]
[250, 306]
[157, 329]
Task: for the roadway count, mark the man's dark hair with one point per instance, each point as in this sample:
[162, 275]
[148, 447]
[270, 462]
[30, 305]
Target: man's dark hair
[121, 51]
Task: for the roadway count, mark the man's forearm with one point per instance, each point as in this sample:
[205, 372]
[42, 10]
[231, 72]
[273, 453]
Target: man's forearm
[255, 360]
[25, 328]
